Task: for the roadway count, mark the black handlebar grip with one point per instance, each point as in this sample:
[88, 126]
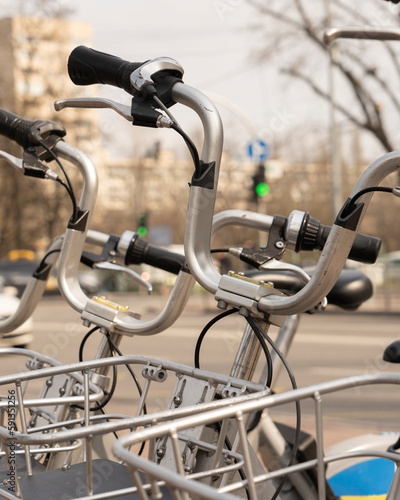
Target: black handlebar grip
[15, 128]
[88, 66]
[365, 248]
[141, 252]
[313, 236]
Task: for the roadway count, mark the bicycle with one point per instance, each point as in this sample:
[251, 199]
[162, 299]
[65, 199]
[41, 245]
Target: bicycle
[225, 290]
[252, 294]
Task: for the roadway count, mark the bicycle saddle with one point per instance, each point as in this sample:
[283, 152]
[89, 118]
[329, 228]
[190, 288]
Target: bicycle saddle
[350, 290]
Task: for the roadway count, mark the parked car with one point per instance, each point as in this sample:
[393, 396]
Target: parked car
[16, 273]
[392, 267]
[9, 302]
[17, 270]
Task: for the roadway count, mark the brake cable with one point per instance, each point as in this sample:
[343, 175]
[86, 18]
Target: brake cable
[67, 185]
[296, 440]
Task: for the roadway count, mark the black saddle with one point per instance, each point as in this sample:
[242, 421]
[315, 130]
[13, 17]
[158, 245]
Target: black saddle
[350, 290]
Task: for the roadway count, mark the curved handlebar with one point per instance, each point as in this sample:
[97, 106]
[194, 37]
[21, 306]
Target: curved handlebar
[366, 33]
[198, 233]
[337, 247]
[303, 232]
[25, 132]
[75, 235]
[32, 294]
[199, 225]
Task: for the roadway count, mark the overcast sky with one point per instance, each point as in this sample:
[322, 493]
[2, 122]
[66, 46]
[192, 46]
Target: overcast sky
[214, 40]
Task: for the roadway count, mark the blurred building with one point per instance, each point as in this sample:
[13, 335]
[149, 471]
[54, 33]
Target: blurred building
[33, 57]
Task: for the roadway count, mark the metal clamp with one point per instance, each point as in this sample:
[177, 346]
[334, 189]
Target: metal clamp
[232, 392]
[142, 76]
[104, 313]
[110, 266]
[243, 292]
[155, 373]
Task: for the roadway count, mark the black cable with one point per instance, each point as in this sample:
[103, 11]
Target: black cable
[115, 348]
[140, 390]
[365, 191]
[296, 440]
[83, 342]
[257, 333]
[74, 207]
[107, 419]
[69, 185]
[57, 160]
[192, 149]
[219, 250]
[43, 261]
[110, 394]
[260, 336]
[264, 348]
[205, 330]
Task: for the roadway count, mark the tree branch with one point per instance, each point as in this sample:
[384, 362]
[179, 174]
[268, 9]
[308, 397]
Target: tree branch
[358, 16]
[262, 9]
[366, 125]
[371, 72]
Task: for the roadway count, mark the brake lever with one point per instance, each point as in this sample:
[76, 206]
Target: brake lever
[285, 266]
[137, 113]
[110, 266]
[15, 162]
[29, 165]
[94, 102]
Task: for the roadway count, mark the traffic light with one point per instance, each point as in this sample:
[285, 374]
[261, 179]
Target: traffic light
[142, 226]
[260, 188]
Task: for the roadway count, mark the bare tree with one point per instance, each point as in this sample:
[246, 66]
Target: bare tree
[30, 209]
[47, 8]
[369, 72]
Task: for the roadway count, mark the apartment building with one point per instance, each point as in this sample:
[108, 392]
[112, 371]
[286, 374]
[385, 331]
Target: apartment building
[33, 58]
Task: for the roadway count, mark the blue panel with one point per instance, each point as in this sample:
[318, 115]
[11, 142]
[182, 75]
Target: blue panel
[258, 149]
[372, 477]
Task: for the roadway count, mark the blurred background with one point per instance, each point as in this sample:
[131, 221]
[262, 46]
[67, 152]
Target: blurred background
[301, 120]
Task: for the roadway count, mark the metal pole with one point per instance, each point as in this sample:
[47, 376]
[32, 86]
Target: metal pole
[336, 164]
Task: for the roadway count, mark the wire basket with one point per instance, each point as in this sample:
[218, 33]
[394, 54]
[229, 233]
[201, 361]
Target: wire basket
[57, 444]
[232, 471]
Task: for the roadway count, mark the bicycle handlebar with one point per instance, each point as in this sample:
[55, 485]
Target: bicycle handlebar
[88, 66]
[198, 230]
[139, 251]
[337, 247]
[25, 132]
[304, 232]
[365, 33]
[200, 216]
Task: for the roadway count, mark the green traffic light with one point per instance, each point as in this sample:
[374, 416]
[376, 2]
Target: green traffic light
[142, 231]
[262, 189]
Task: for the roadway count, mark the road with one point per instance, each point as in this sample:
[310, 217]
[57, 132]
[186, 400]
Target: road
[327, 346]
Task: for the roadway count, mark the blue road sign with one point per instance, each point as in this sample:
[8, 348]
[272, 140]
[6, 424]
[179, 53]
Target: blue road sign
[258, 150]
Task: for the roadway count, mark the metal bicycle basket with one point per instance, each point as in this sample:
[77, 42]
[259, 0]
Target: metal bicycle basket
[230, 471]
[56, 444]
